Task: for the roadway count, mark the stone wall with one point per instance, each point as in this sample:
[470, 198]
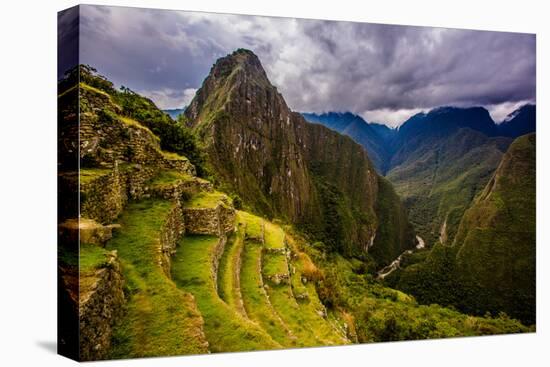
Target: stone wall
[104, 198]
[213, 221]
[137, 176]
[227, 218]
[101, 301]
[181, 188]
[172, 230]
[106, 139]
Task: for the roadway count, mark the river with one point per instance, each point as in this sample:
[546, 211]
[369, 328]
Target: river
[387, 270]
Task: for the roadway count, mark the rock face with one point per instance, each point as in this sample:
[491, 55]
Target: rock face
[281, 164]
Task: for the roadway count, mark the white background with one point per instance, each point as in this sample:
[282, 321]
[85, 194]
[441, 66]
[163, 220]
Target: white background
[28, 184]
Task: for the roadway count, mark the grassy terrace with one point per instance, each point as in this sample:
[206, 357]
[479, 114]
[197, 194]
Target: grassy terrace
[133, 123]
[88, 175]
[160, 319]
[255, 298]
[173, 156]
[303, 317]
[169, 177]
[226, 330]
[274, 236]
[274, 263]
[206, 200]
[93, 89]
[229, 287]
[92, 257]
[254, 225]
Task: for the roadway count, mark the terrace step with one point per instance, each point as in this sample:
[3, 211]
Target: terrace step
[160, 319]
[226, 329]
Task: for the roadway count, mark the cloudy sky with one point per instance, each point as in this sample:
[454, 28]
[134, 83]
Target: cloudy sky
[385, 73]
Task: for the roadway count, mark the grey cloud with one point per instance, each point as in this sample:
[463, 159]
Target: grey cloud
[370, 69]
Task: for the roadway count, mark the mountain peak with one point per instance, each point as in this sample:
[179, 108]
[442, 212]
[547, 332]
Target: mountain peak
[234, 82]
[240, 59]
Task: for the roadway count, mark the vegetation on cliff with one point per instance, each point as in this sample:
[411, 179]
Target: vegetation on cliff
[490, 266]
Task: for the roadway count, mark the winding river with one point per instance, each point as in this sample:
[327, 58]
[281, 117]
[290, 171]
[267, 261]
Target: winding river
[387, 270]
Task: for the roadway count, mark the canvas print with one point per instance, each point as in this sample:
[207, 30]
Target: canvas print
[241, 183]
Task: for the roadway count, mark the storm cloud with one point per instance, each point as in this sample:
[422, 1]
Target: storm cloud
[385, 73]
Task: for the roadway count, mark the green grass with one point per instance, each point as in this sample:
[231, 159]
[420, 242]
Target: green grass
[160, 319]
[133, 123]
[173, 156]
[254, 226]
[226, 330]
[274, 236]
[229, 287]
[206, 200]
[274, 263]
[169, 177]
[92, 257]
[88, 175]
[303, 317]
[93, 89]
[255, 298]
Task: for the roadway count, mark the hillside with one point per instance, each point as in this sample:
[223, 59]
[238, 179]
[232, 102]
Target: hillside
[490, 266]
[374, 138]
[441, 175]
[440, 160]
[283, 166]
[168, 266]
